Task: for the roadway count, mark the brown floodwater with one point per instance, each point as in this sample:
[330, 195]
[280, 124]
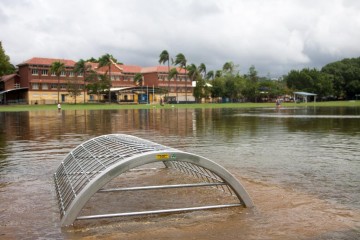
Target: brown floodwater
[300, 166]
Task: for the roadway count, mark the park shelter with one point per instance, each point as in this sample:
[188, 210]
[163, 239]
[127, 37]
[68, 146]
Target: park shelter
[305, 96]
[140, 94]
[88, 168]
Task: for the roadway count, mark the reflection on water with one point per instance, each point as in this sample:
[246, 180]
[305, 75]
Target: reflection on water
[307, 154]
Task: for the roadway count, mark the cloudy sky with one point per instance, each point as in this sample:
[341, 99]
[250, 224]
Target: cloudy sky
[273, 35]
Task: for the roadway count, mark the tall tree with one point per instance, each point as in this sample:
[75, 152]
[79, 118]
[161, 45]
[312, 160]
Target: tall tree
[58, 67]
[74, 88]
[163, 58]
[173, 74]
[107, 60]
[228, 67]
[5, 66]
[192, 71]
[82, 68]
[253, 77]
[202, 69]
[210, 75]
[218, 73]
[181, 61]
[97, 84]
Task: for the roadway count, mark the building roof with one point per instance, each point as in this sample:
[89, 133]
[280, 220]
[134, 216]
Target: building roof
[116, 68]
[159, 69]
[8, 77]
[131, 68]
[47, 61]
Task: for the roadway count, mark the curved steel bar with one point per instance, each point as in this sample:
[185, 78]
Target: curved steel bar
[86, 169]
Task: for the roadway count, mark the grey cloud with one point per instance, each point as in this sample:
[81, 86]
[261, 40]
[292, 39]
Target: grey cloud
[275, 36]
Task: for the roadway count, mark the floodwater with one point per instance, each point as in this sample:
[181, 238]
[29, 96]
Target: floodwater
[301, 167]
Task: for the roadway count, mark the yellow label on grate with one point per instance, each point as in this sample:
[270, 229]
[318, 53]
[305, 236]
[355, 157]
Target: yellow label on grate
[162, 156]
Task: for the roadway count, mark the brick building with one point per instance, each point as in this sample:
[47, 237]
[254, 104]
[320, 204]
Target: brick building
[34, 83]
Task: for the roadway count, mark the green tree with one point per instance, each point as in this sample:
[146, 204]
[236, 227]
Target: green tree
[81, 67]
[163, 58]
[92, 59]
[138, 79]
[233, 86]
[218, 87]
[74, 88]
[200, 90]
[107, 60]
[346, 77]
[5, 66]
[97, 84]
[194, 75]
[181, 61]
[56, 68]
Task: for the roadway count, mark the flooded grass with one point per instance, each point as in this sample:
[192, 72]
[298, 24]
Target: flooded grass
[113, 106]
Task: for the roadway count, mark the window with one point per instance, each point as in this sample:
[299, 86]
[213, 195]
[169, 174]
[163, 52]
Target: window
[53, 86]
[44, 72]
[71, 74]
[63, 73]
[35, 86]
[53, 74]
[80, 74]
[34, 72]
[45, 86]
[63, 86]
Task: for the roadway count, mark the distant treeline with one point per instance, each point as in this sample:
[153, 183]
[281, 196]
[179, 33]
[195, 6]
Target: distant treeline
[337, 80]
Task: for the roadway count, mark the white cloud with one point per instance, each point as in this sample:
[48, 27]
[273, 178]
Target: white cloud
[273, 35]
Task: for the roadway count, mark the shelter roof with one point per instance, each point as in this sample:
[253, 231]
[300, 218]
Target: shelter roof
[138, 89]
[12, 90]
[305, 94]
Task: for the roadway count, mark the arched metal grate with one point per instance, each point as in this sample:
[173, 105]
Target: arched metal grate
[91, 165]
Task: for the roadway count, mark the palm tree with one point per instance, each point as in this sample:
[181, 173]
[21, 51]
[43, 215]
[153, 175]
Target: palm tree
[82, 67]
[210, 75]
[163, 58]
[58, 67]
[202, 69]
[107, 60]
[181, 61]
[193, 71]
[173, 74]
[218, 73]
[138, 79]
[228, 67]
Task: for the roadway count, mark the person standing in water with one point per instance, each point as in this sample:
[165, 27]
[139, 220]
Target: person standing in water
[278, 103]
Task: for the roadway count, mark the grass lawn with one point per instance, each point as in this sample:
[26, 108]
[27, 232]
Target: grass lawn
[105, 106]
